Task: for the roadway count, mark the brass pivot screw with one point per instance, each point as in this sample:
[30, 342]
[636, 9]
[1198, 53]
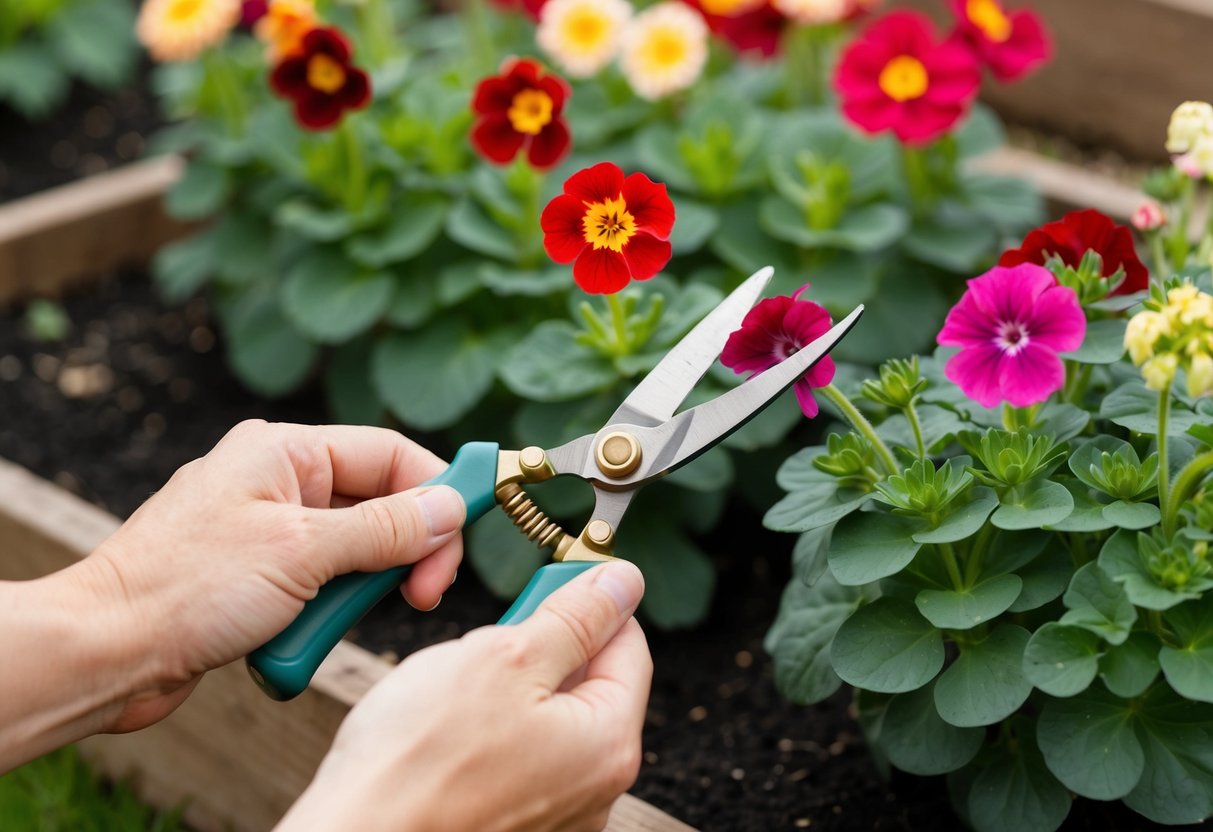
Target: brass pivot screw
[618, 454]
[534, 463]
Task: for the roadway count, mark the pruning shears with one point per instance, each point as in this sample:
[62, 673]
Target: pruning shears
[643, 440]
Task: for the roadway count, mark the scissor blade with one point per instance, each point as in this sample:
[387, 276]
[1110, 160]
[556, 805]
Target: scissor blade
[663, 390]
[694, 431]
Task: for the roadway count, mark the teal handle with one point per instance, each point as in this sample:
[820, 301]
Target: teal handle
[284, 666]
[545, 581]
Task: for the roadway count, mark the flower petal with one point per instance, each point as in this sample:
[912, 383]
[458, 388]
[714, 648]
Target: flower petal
[317, 111]
[550, 146]
[805, 398]
[1058, 322]
[600, 271]
[975, 370]
[496, 139]
[649, 204]
[356, 92]
[289, 78]
[561, 221]
[601, 182]
[1031, 375]
[646, 255]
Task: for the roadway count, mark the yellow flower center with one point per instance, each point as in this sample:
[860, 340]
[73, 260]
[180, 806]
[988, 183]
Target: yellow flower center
[730, 7]
[989, 17]
[325, 74]
[666, 47]
[608, 224]
[585, 28]
[904, 78]
[530, 111]
[179, 11]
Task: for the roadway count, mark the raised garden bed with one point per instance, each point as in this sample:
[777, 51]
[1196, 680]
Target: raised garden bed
[723, 751]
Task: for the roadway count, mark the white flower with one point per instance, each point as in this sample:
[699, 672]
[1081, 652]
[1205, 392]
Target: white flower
[813, 12]
[1191, 121]
[582, 36]
[664, 49]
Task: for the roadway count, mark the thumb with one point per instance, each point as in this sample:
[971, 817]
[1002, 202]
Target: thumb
[383, 532]
[581, 618]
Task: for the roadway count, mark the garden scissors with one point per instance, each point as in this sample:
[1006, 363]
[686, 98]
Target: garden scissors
[642, 441]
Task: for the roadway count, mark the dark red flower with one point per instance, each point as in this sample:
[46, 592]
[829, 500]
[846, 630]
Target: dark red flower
[1073, 236]
[775, 329]
[521, 107]
[531, 7]
[320, 80]
[1011, 44]
[251, 11]
[616, 229]
[754, 27]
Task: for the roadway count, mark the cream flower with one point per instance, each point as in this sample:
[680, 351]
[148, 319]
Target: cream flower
[1190, 121]
[582, 36]
[1159, 371]
[664, 49]
[1143, 332]
[181, 30]
[1200, 375]
[813, 12]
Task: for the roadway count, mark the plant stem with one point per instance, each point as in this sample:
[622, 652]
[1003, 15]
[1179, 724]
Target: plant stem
[1164, 472]
[378, 28]
[227, 89]
[949, 561]
[1158, 252]
[355, 167]
[973, 567]
[916, 426]
[915, 165]
[861, 424]
[1185, 483]
[619, 323]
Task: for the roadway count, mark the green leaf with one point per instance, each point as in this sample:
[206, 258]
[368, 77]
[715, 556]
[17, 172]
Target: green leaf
[810, 555]
[351, 396]
[678, 577]
[1129, 515]
[200, 192]
[696, 223]
[1090, 745]
[432, 378]
[800, 638]
[413, 301]
[1061, 660]
[1009, 202]
[950, 609]
[981, 132]
[327, 298]
[1104, 343]
[95, 41]
[1044, 580]
[1176, 784]
[871, 545]
[986, 684]
[458, 282]
[741, 243]
[548, 424]
[862, 229]
[323, 225]
[265, 351]
[1031, 506]
[711, 472]
[1099, 604]
[501, 555]
[549, 365]
[918, 741]
[1134, 407]
[1062, 421]
[183, 267]
[245, 249]
[1121, 559]
[953, 248]
[963, 522]
[811, 508]
[1087, 515]
[31, 79]
[887, 647]
[409, 231]
[1188, 665]
[899, 319]
[468, 225]
[1090, 453]
[798, 472]
[1129, 668]
[506, 281]
[1016, 793]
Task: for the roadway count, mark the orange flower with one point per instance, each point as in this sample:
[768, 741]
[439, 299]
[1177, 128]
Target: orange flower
[283, 26]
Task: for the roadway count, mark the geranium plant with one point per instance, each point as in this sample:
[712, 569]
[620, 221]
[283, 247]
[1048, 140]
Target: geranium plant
[1004, 548]
[499, 219]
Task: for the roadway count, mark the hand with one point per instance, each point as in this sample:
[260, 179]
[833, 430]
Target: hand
[224, 557]
[532, 727]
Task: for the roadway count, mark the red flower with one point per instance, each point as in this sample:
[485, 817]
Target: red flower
[321, 80]
[531, 7]
[1010, 44]
[1073, 236]
[775, 329]
[251, 11]
[895, 76]
[521, 107]
[616, 229]
[753, 27]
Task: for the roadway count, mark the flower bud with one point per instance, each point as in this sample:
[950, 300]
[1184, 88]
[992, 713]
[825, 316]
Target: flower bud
[1189, 122]
[1143, 332]
[1149, 217]
[1189, 166]
[899, 384]
[1200, 375]
[1159, 371]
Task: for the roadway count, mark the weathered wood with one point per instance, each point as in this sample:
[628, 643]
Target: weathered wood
[57, 239]
[1120, 68]
[1065, 186]
[234, 758]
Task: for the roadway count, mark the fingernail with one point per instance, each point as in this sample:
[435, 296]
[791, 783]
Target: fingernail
[444, 509]
[453, 577]
[436, 603]
[623, 582]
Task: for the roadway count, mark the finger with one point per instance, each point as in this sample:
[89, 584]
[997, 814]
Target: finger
[386, 531]
[432, 576]
[578, 620]
[619, 677]
[366, 462]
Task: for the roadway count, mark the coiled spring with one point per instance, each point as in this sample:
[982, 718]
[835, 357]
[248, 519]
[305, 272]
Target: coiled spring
[528, 517]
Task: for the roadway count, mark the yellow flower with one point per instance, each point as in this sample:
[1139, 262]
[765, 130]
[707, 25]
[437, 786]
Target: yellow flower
[181, 30]
[1200, 375]
[1191, 121]
[582, 36]
[813, 12]
[283, 26]
[1142, 334]
[1159, 371]
[664, 50]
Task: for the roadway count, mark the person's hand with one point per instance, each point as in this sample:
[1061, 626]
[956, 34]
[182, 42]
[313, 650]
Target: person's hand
[224, 557]
[531, 727]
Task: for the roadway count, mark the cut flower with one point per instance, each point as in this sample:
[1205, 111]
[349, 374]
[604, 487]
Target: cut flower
[181, 30]
[321, 81]
[522, 107]
[664, 49]
[582, 36]
[896, 76]
[775, 329]
[1011, 325]
[1011, 44]
[613, 229]
[1073, 236]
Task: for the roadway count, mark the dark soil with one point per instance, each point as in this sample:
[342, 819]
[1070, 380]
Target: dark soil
[138, 389]
[92, 132]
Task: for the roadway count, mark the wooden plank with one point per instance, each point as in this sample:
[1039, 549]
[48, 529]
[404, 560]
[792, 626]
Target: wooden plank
[233, 757]
[57, 239]
[1120, 68]
[1064, 185]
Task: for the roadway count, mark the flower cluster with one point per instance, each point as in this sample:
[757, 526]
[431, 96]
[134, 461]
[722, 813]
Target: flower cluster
[1190, 138]
[1172, 335]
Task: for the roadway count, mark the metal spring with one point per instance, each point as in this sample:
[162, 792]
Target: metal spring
[528, 517]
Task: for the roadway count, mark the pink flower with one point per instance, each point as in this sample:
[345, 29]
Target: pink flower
[1149, 216]
[1011, 44]
[775, 329]
[1010, 325]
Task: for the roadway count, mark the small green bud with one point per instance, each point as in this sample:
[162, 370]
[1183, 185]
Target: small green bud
[899, 385]
[1087, 280]
[1011, 459]
[1176, 564]
[1123, 477]
[923, 491]
[851, 459]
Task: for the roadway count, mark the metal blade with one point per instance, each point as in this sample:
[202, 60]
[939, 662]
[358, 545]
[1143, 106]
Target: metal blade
[663, 390]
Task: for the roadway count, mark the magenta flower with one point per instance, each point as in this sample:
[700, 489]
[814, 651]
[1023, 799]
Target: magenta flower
[775, 329]
[1010, 325]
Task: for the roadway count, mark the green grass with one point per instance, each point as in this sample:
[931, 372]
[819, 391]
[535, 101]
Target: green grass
[59, 792]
